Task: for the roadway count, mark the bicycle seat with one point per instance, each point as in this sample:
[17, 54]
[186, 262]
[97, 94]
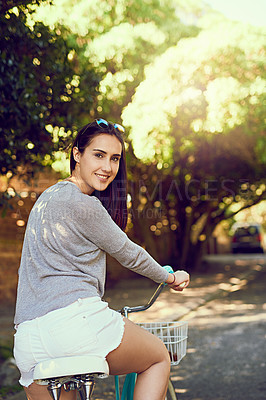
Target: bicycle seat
[70, 366]
[73, 372]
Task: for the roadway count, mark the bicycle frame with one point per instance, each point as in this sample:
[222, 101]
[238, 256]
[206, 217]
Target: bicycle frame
[130, 380]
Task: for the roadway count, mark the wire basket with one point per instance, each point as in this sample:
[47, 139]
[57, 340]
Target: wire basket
[173, 335]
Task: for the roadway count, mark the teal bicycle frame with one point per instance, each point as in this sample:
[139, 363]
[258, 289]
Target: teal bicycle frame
[128, 387]
[130, 379]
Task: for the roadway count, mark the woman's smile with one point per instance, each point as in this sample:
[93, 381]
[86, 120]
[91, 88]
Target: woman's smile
[102, 177]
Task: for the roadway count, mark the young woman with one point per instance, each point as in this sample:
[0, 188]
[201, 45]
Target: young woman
[59, 309]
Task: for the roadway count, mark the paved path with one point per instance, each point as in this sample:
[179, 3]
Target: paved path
[226, 357]
[208, 296]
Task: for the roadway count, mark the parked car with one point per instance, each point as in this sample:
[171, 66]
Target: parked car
[247, 238]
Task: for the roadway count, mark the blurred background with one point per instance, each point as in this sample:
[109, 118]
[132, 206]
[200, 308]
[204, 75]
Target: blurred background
[187, 81]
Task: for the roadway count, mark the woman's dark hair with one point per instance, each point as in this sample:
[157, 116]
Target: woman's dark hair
[114, 197]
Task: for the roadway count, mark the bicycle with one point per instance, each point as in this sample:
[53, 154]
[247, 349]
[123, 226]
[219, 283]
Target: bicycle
[79, 372]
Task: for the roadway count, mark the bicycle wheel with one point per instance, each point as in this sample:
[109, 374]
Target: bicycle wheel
[171, 395]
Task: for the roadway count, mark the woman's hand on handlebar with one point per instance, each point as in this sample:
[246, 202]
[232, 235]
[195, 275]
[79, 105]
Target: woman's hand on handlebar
[178, 280]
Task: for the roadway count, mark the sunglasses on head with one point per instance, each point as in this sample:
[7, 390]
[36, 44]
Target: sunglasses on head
[104, 124]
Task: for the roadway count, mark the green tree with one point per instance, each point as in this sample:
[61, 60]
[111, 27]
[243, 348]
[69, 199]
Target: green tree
[119, 38]
[197, 124]
[45, 91]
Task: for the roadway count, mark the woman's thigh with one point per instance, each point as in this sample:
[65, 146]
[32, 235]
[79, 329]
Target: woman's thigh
[139, 350]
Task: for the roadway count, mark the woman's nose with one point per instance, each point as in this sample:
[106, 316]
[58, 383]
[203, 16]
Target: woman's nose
[107, 166]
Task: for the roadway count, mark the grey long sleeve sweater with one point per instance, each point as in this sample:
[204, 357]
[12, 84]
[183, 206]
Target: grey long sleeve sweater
[64, 252]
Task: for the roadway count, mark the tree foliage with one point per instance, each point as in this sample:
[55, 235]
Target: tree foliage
[44, 91]
[120, 38]
[200, 114]
[206, 85]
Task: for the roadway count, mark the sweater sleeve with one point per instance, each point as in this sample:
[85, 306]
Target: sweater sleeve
[95, 224]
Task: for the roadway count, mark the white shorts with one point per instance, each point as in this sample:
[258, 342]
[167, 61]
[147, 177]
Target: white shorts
[87, 326]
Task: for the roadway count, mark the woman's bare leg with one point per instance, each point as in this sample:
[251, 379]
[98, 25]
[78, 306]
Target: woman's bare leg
[38, 392]
[144, 353]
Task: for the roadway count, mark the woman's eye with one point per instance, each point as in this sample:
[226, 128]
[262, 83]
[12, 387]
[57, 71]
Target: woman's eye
[100, 155]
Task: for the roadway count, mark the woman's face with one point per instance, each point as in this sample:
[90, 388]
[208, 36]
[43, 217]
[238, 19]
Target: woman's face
[98, 165]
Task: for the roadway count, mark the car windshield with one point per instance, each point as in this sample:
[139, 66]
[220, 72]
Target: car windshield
[247, 231]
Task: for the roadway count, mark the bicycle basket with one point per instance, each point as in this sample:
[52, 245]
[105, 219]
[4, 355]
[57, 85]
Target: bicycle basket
[173, 335]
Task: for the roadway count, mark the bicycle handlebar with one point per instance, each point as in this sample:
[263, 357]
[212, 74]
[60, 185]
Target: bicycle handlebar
[127, 310]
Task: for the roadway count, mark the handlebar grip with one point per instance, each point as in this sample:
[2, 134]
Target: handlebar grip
[169, 269]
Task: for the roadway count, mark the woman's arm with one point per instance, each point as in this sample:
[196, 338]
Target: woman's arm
[96, 225]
